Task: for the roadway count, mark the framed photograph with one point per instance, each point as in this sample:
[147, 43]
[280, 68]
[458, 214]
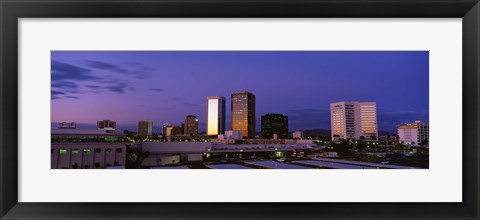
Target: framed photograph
[253, 110]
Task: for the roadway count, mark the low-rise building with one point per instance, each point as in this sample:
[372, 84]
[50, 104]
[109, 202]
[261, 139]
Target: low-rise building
[87, 148]
[233, 134]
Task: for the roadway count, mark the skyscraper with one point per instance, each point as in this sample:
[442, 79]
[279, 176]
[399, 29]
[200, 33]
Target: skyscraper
[145, 128]
[106, 125]
[354, 120]
[243, 113]
[274, 124]
[165, 126]
[191, 125]
[215, 115]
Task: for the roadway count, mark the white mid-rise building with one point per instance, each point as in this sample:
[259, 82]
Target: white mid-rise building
[415, 133]
[354, 120]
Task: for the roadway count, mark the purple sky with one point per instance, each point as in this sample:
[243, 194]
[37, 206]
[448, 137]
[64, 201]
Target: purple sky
[165, 86]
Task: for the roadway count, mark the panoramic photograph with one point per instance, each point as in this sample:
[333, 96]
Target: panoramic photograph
[239, 110]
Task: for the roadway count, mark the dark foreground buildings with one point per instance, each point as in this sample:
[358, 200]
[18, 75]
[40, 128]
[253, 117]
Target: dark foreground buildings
[274, 124]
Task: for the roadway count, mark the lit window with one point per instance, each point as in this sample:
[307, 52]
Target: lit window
[75, 151]
[86, 150]
[63, 151]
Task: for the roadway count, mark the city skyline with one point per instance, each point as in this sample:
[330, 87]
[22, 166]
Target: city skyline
[137, 87]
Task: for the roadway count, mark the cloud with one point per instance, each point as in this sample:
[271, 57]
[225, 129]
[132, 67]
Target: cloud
[105, 66]
[140, 74]
[157, 90]
[64, 85]
[65, 72]
[68, 79]
[65, 77]
[57, 92]
[117, 87]
[92, 86]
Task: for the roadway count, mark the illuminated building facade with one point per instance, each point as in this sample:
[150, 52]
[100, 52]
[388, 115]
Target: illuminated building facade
[354, 120]
[164, 128]
[243, 113]
[215, 115]
[274, 124]
[168, 131]
[230, 134]
[415, 133]
[191, 125]
[106, 125]
[145, 128]
[297, 135]
[87, 149]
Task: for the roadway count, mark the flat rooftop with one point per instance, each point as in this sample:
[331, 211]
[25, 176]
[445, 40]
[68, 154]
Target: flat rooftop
[330, 164]
[227, 166]
[375, 165]
[276, 165]
[76, 131]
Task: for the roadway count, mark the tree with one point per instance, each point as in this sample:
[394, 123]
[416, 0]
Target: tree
[424, 142]
[361, 145]
[343, 148]
[132, 161]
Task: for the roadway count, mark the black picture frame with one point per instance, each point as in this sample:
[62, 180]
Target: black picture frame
[12, 10]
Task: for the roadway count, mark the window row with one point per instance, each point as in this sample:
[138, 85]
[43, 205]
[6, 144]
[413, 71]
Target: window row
[86, 150]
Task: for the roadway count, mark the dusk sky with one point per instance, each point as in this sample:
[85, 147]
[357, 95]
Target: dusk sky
[165, 86]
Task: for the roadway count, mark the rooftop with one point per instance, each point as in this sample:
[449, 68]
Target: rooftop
[56, 131]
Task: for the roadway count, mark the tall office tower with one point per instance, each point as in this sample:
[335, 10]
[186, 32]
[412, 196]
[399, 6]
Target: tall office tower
[164, 127]
[215, 115]
[354, 120]
[145, 128]
[191, 125]
[243, 113]
[106, 125]
[169, 131]
[413, 133]
[274, 124]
